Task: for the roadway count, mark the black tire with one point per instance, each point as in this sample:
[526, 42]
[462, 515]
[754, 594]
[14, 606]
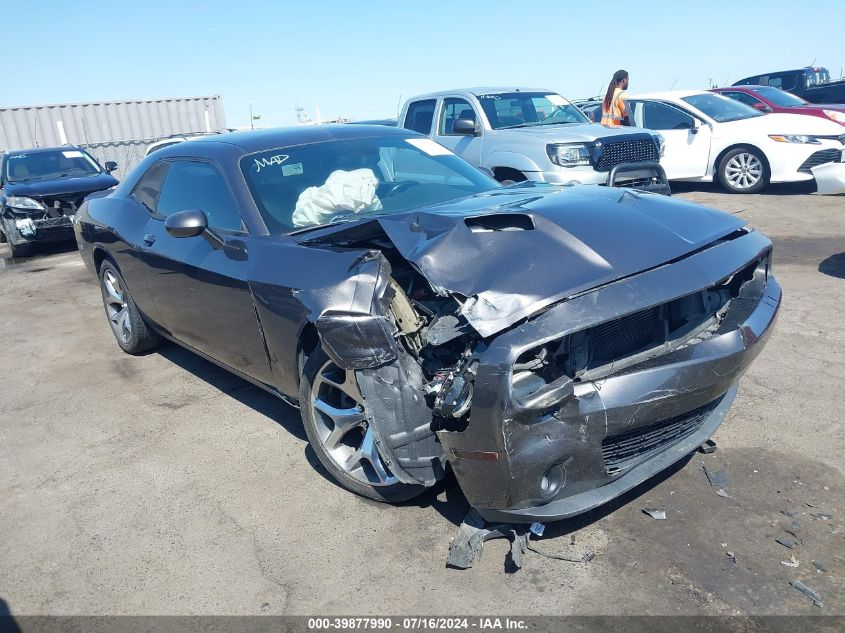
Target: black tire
[507, 176]
[732, 180]
[316, 363]
[138, 337]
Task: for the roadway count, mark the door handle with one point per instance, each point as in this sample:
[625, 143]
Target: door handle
[149, 239]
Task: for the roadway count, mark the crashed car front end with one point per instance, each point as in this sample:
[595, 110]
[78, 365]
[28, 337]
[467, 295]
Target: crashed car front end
[40, 219]
[599, 393]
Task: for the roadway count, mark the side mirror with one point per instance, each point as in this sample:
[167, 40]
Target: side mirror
[762, 107]
[696, 124]
[464, 126]
[110, 166]
[186, 223]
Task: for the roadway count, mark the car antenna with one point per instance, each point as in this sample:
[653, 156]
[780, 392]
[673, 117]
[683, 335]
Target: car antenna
[35, 116]
[673, 83]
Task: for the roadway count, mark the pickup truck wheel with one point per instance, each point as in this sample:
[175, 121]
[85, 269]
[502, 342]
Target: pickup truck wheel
[743, 170]
[507, 176]
[128, 326]
[335, 420]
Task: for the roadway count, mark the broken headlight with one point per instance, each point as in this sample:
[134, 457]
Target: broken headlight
[569, 154]
[357, 341]
[24, 204]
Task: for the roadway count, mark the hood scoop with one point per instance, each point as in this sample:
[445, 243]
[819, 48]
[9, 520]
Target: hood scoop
[500, 222]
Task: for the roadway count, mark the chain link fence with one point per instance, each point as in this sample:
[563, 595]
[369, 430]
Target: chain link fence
[126, 154]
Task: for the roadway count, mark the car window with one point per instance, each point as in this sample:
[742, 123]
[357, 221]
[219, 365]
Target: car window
[420, 115]
[721, 109]
[25, 166]
[147, 190]
[742, 97]
[453, 109]
[661, 116]
[784, 81]
[197, 185]
[335, 181]
[527, 109]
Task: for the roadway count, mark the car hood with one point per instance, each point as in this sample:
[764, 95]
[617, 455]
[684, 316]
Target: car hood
[573, 133]
[783, 123]
[60, 186]
[508, 254]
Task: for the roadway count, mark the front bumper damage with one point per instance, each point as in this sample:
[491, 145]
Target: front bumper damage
[580, 443]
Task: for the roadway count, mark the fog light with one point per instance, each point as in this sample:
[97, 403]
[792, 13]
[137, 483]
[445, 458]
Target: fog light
[552, 480]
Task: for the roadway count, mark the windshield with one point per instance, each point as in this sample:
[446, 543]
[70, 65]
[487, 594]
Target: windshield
[40, 165]
[332, 181]
[779, 97]
[527, 109]
[721, 109]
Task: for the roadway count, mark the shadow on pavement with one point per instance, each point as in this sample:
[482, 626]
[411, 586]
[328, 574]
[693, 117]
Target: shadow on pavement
[778, 189]
[7, 621]
[834, 266]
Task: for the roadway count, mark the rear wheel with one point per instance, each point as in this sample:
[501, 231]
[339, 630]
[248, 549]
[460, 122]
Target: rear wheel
[743, 170]
[334, 415]
[128, 326]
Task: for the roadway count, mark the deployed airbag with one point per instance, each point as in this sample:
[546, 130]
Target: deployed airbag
[343, 191]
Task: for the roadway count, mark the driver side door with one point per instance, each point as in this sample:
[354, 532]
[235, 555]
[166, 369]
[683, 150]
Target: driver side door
[687, 149]
[466, 146]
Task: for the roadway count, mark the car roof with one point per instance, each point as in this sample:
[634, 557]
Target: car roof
[668, 94]
[257, 140]
[744, 87]
[480, 90]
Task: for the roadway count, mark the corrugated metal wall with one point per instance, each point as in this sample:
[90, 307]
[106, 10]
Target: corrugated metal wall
[110, 130]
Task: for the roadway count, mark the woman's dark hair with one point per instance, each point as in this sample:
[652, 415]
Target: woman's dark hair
[618, 76]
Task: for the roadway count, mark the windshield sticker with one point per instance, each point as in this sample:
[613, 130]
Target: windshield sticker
[294, 169]
[428, 146]
[556, 100]
[276, 160]
[72, 154]
[17, 156]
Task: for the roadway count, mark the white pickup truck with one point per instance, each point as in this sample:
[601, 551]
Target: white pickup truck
[526, 134]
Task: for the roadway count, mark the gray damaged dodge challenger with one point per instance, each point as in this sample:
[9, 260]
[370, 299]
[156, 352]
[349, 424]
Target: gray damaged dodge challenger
[555, 345]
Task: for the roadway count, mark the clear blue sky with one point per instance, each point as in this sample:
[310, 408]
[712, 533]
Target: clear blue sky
[357, 58]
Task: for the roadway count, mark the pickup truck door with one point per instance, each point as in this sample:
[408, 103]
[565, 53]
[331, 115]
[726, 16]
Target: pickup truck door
[687, 150]
[465, 146]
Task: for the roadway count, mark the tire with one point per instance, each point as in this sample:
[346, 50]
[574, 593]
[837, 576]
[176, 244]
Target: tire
[743, 170]
[335, 422]
[507, 176]
[130, 331]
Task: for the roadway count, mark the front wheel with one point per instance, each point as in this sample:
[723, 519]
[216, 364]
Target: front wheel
[335, 419]
[128, 326]
[743, 170]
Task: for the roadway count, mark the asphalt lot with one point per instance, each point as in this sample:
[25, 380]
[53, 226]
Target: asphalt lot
[163, 485]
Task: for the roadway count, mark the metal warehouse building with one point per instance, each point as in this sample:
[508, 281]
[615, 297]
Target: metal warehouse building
[109, 130]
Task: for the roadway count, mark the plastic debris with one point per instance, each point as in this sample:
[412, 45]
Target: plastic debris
[820, 568]
[537, 528]
[821, 516]
[708, 447]
[787, 513]
[795, 525]
[792, 562]
[732, 556]
[812, 595]
[788, 543]
[724, 493]
[717, 478]
[654, 513]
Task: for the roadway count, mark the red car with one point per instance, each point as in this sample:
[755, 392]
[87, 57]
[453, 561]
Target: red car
[769, 99]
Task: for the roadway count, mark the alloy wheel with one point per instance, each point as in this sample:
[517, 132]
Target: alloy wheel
[116, 307]
[744, 170]
[338, 410]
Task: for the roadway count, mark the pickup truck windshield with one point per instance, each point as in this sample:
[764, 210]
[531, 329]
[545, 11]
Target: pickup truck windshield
[721, 109]
[779, 97]
[25, 166]
[305, 186]
[528, 109]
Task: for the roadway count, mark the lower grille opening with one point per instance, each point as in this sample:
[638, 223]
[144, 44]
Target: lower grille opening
[819, 158]
[622, 451]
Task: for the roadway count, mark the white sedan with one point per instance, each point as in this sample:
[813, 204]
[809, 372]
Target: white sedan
[708, 136]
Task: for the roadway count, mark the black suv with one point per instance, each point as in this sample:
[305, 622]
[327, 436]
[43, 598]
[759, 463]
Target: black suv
[40, 191]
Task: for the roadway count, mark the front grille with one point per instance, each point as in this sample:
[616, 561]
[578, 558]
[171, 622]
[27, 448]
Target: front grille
[638, 150]
[624, 336]
[622, 451]
[820, 158]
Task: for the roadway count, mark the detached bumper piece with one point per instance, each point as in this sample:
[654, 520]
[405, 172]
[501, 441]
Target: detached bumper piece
[830, 178]
[649, 177]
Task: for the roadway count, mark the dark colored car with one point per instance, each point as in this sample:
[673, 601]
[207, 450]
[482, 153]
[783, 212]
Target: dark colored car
[387, 122]
[768, 99]
[811, 82]
[557, 345]
[590, 107]
[41, 190]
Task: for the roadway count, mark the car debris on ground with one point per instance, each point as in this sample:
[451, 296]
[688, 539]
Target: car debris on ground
[807, 591]
[660, 515]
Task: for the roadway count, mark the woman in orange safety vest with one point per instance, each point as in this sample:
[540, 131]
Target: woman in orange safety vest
[614, 111]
